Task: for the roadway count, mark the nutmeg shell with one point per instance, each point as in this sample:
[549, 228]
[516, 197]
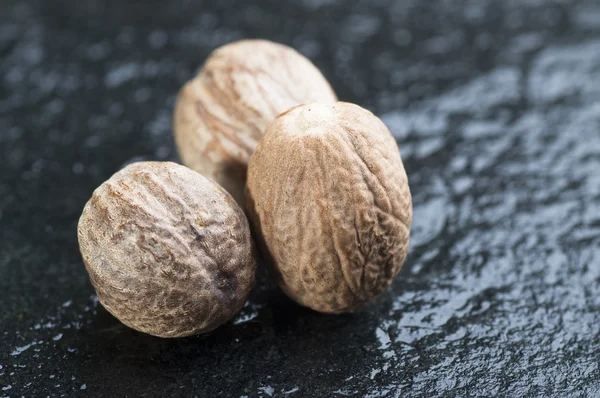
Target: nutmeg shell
[329, 201]
[168, 251]
[223, 112]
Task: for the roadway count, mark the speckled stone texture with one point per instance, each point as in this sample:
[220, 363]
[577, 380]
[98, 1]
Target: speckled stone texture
[496, 109]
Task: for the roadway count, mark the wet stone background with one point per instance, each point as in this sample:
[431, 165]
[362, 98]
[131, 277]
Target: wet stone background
[496, 108]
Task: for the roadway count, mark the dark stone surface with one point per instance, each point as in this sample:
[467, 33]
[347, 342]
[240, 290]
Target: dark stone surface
[495, 105]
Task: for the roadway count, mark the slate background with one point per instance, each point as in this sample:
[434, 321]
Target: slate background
[495, 105]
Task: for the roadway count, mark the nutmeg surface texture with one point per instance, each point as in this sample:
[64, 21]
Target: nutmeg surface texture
[168, 251]
[330, 205]
[223, 112]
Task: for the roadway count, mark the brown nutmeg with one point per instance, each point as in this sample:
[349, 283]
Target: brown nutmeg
[168, 251]
[223, 112]
[329, 201]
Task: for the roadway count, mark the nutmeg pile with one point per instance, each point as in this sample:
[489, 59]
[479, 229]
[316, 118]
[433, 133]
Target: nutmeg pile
[168, 248]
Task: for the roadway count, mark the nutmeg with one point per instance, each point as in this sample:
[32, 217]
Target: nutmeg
[223, 112]
[329, 202]
[168, 251]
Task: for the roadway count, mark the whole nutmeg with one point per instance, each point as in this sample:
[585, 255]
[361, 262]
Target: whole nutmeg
[329, 202]
[168, 251]
[222, 113]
